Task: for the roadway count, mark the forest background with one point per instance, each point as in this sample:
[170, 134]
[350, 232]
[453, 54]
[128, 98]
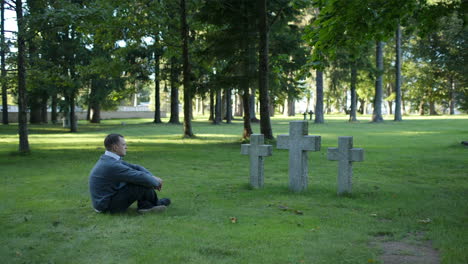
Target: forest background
[261, 56]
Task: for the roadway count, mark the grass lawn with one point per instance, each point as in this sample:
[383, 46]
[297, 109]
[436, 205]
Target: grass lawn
[412, 183]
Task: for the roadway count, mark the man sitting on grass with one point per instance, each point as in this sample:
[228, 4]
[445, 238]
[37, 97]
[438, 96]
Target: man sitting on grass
[115, 184]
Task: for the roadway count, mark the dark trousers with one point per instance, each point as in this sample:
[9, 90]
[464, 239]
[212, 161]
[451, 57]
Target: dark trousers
[146, 197]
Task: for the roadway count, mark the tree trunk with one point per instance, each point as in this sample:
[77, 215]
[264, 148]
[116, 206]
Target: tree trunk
[240, 104]
[362, 103]
[398, 63]
[319, 98]
[291, 106]
[245, 81]
[432, 110]
[96, 107]
[452, 96]
[377, 114]
[88, 113]
[352, 112]
[272, 107]
[157, 90]
[218, 108]
[212, 105]
[252, 104]
[53, 114]
[22, 96]
[174, 119]
[73, 121]
[3, 69]
[377, 102]
[421, 107]
[228, 106]
[223, 104]
[245, 97]
[186, 72]
[35, 109]
[265, 124]
[44, 116]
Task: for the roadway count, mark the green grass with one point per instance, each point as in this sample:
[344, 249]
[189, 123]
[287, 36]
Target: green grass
[413, 170]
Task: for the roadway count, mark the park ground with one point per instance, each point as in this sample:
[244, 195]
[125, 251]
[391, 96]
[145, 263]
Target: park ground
[409, 202]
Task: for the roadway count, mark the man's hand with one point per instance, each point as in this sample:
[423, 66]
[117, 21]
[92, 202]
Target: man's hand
[160, 183]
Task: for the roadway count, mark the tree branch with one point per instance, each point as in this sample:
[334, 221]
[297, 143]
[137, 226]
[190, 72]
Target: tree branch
[9, 4]
[275, 18]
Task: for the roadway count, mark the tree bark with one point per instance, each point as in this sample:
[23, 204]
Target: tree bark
[34, 109]
[245, 81]
[22, 96]
[352, 112]
[228, 106]
[72, 96]
[94, 103]
[96, 118]
[53, 105]
[223, 104]
[174, 119]
[245, 98]
[240, 103]
[432, 110]
[319, 98]
[271, 106]
[377, 114]
[265, 124]
[291, 106]
[212, 105]
[186, 72]
[421, 107]
[398, 116]
[44, 116]
[157, 90]
[452, 96]
[3, 69]
[73, 121]
[218, 112]
[362, 106]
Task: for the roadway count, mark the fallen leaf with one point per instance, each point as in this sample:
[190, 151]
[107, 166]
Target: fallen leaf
[425, 221]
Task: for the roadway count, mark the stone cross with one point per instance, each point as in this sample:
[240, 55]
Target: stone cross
[298, 143]
[256, 150]
[345, 154]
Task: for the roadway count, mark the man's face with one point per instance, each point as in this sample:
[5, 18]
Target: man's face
[120, 148]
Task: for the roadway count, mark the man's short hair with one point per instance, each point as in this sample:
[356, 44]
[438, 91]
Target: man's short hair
[112, 139]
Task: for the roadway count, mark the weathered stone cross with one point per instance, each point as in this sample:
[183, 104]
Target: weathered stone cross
[298, 143]
[345, 154]
[256, 150]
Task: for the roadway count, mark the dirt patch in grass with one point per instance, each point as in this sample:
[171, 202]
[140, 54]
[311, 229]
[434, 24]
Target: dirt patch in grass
[413, 249]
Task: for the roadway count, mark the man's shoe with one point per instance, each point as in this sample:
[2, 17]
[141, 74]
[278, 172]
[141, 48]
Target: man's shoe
[154, 209]
[164, 201]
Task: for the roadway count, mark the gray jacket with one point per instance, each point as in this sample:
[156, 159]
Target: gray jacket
[109, 175]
